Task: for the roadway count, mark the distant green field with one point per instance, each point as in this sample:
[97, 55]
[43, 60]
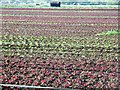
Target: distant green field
[62, 6]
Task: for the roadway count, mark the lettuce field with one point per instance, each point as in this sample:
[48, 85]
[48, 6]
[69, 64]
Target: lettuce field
[60, 48]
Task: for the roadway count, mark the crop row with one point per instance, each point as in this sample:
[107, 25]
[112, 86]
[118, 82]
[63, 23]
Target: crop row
[58, 46]
[63, 9]
[72, 21]
[60, 73]
[63, 24]
[63, 19]
[52, 11]
[109, 13]
[52, 16]
[60, 40]
[47, 29]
